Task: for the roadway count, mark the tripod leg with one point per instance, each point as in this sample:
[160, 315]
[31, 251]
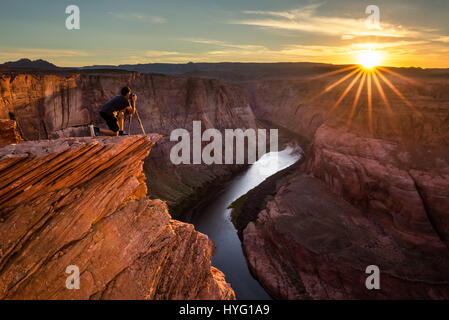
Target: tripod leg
[140, 122]
[129, 126]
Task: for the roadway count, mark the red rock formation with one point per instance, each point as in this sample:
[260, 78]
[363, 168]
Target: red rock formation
[8, 133]
[310, 244]
[82, 202]
[388, 178]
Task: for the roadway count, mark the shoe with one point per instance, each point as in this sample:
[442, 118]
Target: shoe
[122, 133]
[92, 130]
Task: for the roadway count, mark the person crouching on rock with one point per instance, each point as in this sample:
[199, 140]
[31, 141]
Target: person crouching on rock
[113, 112]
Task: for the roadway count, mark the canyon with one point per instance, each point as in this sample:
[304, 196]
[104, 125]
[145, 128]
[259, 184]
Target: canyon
[372, 189]
[52, 104]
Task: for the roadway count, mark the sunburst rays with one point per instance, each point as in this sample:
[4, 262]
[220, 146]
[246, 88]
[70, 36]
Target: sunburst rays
[356, 100]
[397, 92]
[348, 88]
[374, 80]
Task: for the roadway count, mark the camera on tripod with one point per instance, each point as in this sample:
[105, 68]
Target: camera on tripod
[131, 96]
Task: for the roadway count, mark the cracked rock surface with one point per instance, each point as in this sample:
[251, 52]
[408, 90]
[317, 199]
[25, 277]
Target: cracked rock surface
[82, 202]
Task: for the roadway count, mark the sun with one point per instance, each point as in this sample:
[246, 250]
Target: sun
[369, 59]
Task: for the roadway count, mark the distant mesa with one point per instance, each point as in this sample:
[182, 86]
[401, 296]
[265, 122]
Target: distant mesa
[28, 64]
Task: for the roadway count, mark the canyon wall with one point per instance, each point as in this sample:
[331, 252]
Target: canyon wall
[61, 104]
[408, 185]
[303, 104]
[374, 190]
[82, 202]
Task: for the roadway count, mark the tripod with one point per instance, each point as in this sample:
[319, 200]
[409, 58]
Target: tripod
[138, 118]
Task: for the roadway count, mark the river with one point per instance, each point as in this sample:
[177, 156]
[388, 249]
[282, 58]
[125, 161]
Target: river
[213, 219]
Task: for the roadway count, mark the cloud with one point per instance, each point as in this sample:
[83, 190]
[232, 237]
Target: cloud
[141, 17]
[306, 20]
[385, 45]
[38, 53]
[292, 14]
[223, 43]
[344, 52]
[444, 39]
[160, 53]
[227, 51]
[401, 45]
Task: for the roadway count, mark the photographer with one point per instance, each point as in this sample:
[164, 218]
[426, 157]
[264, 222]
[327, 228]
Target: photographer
[113, 112]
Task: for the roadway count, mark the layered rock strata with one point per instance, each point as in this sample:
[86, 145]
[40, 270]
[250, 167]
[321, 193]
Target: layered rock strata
[82, 202]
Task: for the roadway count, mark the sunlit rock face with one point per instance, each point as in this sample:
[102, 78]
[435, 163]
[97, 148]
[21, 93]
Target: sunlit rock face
[83, 202]
[8, 132]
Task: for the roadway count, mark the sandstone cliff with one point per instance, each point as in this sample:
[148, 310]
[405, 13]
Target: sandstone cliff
[59, 104]
[409, 185]
[82, 202]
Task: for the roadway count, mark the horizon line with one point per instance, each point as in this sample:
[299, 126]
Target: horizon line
[220, 62]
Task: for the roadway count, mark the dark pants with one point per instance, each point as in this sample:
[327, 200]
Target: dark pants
[111, 121]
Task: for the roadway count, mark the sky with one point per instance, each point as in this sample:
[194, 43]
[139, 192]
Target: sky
[410, 32]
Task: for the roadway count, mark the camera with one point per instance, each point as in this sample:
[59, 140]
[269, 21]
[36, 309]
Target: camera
[131, 96]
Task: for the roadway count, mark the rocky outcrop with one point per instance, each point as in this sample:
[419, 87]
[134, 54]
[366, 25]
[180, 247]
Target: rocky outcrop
[59, 103]
[82, 202]
[310, 244]
[8, 133]
[386, 177]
